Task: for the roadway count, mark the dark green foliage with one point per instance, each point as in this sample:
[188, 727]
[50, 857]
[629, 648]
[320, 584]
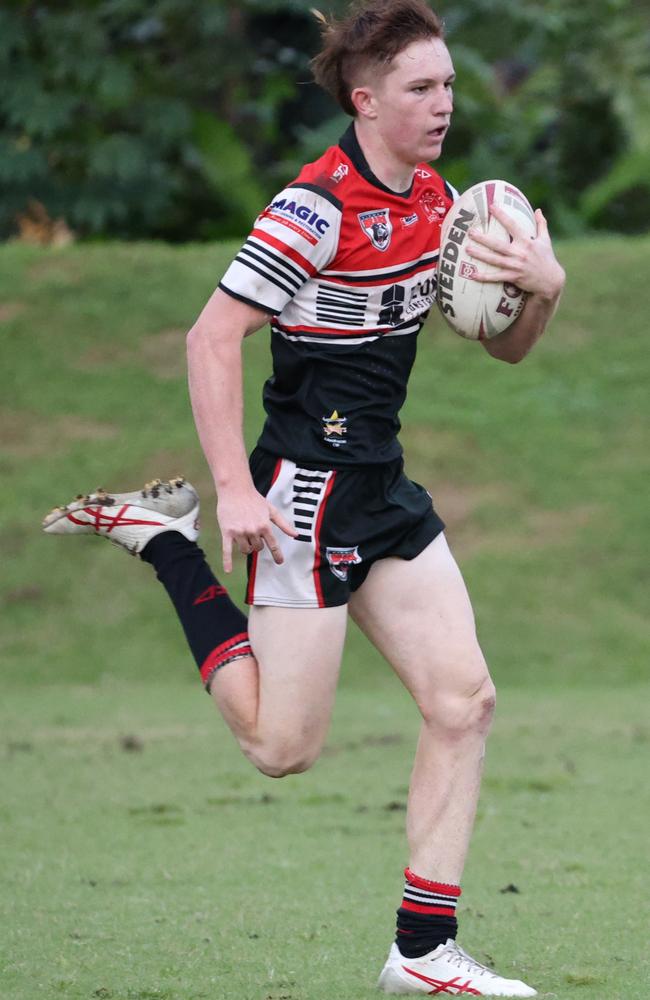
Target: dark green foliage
[164, 119]
[130, 118]
[556, 97]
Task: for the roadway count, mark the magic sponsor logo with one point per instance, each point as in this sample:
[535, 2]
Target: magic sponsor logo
[302, 219]
[409, 220]
[340, 560]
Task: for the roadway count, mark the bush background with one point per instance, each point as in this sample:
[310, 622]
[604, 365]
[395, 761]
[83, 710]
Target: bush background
[134, 119]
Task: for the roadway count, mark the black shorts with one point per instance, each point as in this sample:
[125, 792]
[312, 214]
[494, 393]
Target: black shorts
[345, 518]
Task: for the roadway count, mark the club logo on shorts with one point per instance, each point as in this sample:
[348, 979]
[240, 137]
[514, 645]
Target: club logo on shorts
[377, 227]
[334, 429]
[340, 560]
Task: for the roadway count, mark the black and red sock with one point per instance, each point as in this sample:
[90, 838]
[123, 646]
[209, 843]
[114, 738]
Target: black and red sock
[215, 628]
[427, 916]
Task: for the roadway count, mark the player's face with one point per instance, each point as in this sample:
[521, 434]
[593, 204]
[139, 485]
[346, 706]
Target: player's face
[414, 101]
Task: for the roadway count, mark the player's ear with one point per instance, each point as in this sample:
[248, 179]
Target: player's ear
[364, 101]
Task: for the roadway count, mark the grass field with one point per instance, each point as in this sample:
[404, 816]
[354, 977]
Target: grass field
[142, 858]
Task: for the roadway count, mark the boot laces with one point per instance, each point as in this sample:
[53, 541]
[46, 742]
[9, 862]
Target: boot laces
[456, 956]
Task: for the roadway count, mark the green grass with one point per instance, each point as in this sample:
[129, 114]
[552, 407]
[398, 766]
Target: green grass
[174, 870]
[539, 469]
[142, 857]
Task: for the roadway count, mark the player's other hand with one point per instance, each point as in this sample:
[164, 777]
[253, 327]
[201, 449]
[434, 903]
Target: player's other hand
[526, 262]
[245, 519]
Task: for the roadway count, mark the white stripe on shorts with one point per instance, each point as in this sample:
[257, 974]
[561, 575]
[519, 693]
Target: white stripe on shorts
[292, 584]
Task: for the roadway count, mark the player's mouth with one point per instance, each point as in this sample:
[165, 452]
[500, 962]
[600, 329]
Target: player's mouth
[438, 133]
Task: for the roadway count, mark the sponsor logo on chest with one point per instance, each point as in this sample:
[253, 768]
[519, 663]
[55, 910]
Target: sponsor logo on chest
[377, 226]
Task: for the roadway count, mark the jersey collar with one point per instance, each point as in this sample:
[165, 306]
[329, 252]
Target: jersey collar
[350, 146]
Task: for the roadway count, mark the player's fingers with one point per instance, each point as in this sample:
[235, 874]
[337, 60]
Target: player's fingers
[273, 546]
[226, 548]
[507, 222]
[244, 544]
[542, 224]
[490, 242]
[255, 543]
[281, 522]
[497, 276]
[486, 256]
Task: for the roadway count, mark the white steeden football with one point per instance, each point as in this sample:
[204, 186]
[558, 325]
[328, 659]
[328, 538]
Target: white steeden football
[475, 309]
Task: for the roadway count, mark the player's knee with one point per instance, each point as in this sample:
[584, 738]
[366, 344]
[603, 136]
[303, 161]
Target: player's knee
[485, 706]
[458, 714]
[281, 760]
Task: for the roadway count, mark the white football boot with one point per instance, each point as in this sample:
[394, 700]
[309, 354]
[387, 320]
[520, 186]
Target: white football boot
[130, 519]
[447, 969]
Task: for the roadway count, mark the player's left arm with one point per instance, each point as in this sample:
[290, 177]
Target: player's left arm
[529, 263]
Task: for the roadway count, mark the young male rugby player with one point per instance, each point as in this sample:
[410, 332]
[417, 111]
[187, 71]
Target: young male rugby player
[342, 264]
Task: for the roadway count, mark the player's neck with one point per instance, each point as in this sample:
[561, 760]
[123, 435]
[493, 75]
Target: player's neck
[391, 171]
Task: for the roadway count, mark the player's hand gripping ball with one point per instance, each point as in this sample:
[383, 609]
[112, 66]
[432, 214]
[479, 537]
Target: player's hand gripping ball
[477, 309]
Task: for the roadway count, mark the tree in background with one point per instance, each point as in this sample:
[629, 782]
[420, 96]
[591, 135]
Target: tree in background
[556, 97]
[140, 119]
[171, 120]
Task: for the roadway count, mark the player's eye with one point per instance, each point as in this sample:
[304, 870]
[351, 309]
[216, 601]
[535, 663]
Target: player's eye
[419, 90]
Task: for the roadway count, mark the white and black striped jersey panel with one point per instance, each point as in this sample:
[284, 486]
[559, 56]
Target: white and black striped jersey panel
[294, 238]
[275, 267]
[337, 306]
[366, 303]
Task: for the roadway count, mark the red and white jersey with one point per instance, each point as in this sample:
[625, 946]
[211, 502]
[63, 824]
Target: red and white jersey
[347, 270]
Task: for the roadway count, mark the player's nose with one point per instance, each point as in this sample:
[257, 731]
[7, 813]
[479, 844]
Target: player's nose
[444, 102]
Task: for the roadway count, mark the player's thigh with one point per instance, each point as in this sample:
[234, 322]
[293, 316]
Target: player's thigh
[298, 651]
[418, 614]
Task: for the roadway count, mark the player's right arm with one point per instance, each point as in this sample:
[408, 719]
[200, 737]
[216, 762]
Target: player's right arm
[292, 239]
[214, 346]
